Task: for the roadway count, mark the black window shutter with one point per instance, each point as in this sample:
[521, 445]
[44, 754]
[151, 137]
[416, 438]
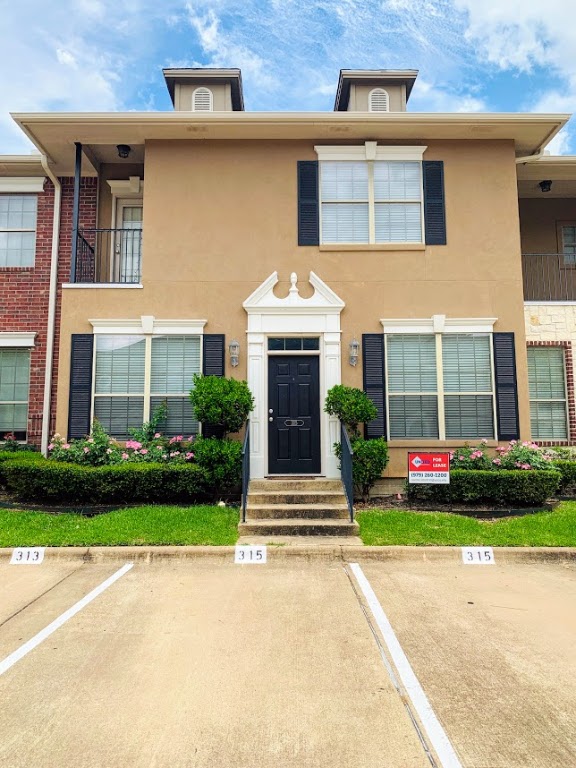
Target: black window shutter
[434, 206]
[212, 365]
[308, 216]
[80, 399]
[506, 386]
[373, 379]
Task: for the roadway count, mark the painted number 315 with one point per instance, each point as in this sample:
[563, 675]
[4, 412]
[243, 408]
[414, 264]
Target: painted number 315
[478, 556]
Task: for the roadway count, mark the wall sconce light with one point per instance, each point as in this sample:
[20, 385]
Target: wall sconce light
[123, 150]
[354, 351]
[234, 350]
[546, 185]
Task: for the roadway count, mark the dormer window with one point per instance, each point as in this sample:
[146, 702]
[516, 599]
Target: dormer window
[202, 100]
[378, 100]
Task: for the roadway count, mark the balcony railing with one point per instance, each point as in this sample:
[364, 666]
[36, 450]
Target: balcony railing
[108, 256]
[549, 277]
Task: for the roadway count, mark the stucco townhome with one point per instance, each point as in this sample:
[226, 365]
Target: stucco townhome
[428, 258]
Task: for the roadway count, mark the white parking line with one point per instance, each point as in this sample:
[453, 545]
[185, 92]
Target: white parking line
[436, 734]
[18, 654]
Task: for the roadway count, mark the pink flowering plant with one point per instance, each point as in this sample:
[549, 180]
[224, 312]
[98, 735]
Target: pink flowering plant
[516, 455]
[147, 444]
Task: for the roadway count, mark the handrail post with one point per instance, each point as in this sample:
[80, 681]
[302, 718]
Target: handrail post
[346, 469]
[245, 470]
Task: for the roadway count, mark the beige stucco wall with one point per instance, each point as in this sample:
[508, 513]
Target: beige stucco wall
[220, 217]
[358, 101]
[539, 220]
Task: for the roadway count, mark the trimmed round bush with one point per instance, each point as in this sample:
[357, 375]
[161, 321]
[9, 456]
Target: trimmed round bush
[567, 471]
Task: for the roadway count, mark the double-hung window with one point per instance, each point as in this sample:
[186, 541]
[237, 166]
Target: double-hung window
[133, 375]
[371, 195]
[14, 389]
[440, 385]
[547, 382]
[17, 230]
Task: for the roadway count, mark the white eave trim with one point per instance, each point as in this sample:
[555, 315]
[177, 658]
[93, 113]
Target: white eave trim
[148, 324]
[22, 184]
[126, 187]
[17, 339]
[439, 324]
[370, 151]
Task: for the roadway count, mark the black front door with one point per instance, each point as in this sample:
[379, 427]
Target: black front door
[293, 415]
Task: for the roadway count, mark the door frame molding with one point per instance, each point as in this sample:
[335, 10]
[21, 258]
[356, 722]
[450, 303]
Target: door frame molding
[317, 316]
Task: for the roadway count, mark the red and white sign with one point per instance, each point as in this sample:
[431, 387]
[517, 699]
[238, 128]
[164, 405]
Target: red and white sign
[428, 467]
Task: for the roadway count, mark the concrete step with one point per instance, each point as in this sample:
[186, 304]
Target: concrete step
[298, 527]
[296, 497]
[311, 484]
[301, 511]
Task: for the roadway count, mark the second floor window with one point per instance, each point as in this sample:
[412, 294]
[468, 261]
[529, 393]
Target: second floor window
[17, 230]
[371, 201]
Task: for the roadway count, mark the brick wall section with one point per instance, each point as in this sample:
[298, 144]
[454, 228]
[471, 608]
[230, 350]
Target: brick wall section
[24, 291]
[571, 398]
[88, 212]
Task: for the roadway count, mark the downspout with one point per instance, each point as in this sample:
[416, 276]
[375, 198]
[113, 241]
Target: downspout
[52, 296]
[531, 158]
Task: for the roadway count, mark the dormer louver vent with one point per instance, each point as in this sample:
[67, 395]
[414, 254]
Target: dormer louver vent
[202, 100]
[378, 100]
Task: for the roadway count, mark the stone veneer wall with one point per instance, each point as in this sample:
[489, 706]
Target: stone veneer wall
[555, 325]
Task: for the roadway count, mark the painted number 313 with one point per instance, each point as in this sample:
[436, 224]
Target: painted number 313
[27, 556]
[478, 556]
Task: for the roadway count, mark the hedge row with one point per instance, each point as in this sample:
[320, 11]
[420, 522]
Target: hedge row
[567, 471]
[519, 488]
[57, 482]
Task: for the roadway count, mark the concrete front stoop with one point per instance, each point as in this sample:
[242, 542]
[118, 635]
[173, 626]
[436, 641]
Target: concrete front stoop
[297, 507]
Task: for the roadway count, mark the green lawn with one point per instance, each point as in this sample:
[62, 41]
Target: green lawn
[541, 529]
[132, 526]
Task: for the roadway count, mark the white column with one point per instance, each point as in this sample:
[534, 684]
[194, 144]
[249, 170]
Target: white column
[258, 421]
[332, 376]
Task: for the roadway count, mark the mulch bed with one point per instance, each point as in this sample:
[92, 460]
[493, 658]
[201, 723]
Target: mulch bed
[480, 511]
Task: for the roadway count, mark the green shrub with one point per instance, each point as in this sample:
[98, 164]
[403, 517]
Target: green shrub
[221, 402]
[567, 471]
[11, 456]
[369, 460]
[221, 461]
[515, 455]
[518, 488]
[59, 482]
[9, 444]
[352, 406]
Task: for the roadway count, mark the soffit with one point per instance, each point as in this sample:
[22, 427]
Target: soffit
[560, 170]
[55, 133]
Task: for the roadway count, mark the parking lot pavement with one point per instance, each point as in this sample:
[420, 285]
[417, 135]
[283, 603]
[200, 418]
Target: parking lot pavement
[199, 664]
[193, 663]
[494, 648]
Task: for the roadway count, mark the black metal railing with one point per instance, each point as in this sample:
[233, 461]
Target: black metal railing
[549, 276]
[108, 256]
[346, 469]
[245, 470]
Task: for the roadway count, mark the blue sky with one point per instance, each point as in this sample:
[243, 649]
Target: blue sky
[102, 55]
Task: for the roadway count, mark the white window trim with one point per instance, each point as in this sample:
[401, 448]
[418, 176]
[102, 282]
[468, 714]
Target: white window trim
[440, 325]
[33, 229]
[148, 330]
[20, 185]
[148, 324]
[370, 152]
[379, 91]
[17, 339]
[554, 399]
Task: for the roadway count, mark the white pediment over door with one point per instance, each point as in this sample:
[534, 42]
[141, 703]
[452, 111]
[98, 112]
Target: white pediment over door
[323, 300]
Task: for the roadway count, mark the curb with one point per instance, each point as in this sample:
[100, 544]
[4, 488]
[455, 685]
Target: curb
[312, 553]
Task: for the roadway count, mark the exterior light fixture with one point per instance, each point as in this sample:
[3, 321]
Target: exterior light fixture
[234, 350]
[123, 150]
[354, 351]
[546, 185]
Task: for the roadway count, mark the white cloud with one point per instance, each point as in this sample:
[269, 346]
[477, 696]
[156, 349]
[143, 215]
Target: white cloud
[427, 97]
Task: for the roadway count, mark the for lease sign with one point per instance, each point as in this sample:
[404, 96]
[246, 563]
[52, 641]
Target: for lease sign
[428, 467]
